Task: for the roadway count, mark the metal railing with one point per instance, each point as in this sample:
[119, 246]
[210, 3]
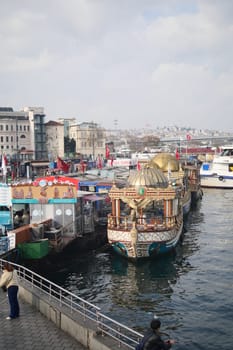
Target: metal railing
[72, 304]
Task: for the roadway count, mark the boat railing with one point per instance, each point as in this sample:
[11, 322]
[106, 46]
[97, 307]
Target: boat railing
[75, 305]
[149, 224]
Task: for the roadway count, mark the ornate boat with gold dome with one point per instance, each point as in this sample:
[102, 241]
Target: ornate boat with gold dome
[176, 173]
[147, 215]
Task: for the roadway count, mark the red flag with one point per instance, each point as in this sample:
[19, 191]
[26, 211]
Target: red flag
[99, 163]
[4, 164]
[61, 165]
[188, 137]
[177, 154]
[138, 166]
[107, 152]
[112, 161]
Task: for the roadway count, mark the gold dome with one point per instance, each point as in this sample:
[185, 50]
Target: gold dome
[165, 161]
[148, 177]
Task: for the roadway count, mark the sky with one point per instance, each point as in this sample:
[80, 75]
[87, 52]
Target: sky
[124, 64]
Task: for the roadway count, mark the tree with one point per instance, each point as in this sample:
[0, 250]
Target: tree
[69, 145]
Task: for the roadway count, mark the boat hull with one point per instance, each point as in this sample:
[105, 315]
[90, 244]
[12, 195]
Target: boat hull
[137, 245]
[219, 172]
[187, 199]
[216, 181]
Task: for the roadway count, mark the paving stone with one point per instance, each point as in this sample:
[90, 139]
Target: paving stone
[31, 331]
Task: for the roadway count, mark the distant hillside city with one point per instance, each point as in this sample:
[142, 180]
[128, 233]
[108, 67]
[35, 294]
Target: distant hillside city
[25, 136]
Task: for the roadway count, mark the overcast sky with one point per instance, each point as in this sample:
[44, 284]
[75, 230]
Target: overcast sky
[130, 64]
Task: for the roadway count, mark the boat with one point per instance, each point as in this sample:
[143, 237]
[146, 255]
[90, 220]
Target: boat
[146, 219]
[192, 174]
[173, 169]
[219, 172]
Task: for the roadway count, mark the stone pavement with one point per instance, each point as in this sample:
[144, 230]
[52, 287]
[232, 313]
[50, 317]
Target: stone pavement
[32, 330]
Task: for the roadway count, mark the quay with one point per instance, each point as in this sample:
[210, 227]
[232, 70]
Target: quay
[31, 330]
[54, 318]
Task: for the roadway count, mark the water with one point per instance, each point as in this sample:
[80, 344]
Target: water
[191, 291]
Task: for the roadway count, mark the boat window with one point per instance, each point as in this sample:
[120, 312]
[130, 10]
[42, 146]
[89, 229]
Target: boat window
[230, 167]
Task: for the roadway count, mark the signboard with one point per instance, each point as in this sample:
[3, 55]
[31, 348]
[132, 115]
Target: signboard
[5, 195]
[43, 191]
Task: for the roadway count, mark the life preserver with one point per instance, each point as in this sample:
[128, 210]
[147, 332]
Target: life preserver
[220, 178]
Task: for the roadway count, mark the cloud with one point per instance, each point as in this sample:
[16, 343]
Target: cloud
[151, 62]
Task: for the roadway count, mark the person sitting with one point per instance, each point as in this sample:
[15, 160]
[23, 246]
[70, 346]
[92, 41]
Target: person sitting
[152, 339]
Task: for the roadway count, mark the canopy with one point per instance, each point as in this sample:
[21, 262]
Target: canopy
[93, 198]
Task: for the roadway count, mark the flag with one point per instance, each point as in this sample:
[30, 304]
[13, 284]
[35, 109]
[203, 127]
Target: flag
[99, 163]
[138, 166]
[107, 152]
[177, 154]
[61, 165]
[188, 137]
[4, 165]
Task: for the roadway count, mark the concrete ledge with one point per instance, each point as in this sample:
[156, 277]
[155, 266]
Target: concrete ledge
[83, 330]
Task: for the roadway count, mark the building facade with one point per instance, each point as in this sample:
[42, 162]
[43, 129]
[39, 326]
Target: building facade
[90, 139]
[22, 134]
[54, 140]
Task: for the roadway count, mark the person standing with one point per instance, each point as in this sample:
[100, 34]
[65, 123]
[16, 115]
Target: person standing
[152, 339]
[9, 279]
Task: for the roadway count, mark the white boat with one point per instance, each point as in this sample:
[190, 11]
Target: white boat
[219, 172]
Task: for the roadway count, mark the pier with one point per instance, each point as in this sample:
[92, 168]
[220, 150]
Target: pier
[52, 317]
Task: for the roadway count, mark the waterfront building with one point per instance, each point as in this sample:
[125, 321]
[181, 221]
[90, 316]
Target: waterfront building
[90, 139]
[66, 123]
[22, 134]
[54, 139]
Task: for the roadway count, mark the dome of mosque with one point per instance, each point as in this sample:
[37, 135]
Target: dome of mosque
[165, 161]
[148, 177]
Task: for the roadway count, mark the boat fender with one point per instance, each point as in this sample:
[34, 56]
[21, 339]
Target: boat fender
[220, 178]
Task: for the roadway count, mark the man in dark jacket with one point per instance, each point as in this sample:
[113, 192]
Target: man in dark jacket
[152, 339]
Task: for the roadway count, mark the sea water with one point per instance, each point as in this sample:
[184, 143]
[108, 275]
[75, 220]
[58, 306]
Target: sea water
[189, 290]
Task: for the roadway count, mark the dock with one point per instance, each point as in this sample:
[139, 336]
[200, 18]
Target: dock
[31, 330]
[53, 317]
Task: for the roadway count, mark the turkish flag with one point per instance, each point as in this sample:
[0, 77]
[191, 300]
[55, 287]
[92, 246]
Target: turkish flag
[107, 152]
[61, 165]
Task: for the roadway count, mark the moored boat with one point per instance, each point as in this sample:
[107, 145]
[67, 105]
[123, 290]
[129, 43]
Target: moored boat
[192, 173]
[147, 216]
[219, 172]
[172, 168]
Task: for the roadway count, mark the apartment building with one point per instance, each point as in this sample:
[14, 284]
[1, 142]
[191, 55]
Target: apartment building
[22, 133]
[90, 139]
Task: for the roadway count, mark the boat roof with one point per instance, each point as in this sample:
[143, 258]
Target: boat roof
[227, 147]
